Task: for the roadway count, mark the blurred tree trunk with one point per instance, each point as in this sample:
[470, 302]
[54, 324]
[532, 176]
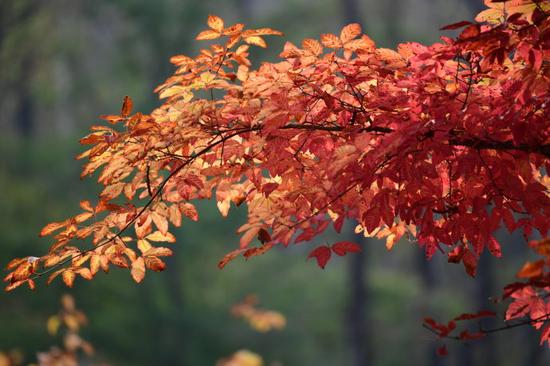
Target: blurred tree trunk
[245, 9]
[351, 12]
[357, 323]
[24, 114]
[429, 284]
[17, 18]
[391, 13]
[485, 290]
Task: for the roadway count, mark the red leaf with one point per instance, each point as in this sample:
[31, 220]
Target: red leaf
[480, 314]
[470, 32]
[344, 247]
[321, 254]
[442, 351]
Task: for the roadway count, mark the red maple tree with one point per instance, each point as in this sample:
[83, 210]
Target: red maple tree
[443, 144]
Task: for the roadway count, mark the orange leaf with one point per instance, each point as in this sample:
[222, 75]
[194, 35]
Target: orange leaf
[155, 264]
[350, 32]
[262, 32]
[207, 35]
[313, 46]
[330, 41]
[127, 106]
[51, 227]
[229, 257]
[531, 270]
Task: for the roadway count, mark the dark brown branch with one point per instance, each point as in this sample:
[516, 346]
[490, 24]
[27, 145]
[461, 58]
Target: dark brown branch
[542, 318]
[453, 141]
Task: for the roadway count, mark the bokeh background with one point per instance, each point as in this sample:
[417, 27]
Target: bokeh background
[64, 62]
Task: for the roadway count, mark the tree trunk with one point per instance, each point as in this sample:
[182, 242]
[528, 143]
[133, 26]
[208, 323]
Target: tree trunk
[426, 271]
[356, 318]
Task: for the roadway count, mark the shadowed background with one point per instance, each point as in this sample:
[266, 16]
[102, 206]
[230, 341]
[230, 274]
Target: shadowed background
[64, 62]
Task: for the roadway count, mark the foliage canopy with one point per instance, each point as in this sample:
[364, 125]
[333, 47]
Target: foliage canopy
[443, 144]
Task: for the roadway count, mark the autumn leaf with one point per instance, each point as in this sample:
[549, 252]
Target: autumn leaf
[344, 247]
[330, 41]
[202, 36]
[321, 254]
[68, 277]
[531, 270]
[127, 107]
[215, 22]
[138, 269]
[229, 257]
[350, 32]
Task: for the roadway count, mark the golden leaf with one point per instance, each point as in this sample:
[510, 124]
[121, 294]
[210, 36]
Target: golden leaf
[255, 40]
[158, 252]
[215, 22]
[138, 269]
[158, 236]
[68, 277]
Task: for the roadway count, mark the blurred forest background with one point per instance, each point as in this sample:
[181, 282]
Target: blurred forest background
[64, 62]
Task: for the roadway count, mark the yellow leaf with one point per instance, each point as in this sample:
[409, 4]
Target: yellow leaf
[255, 40]
[160, 222]
[215, 22]
[53, 325]
[223, 206]
[143, 245]
[95, 263]
[158, 236]
[138, 269]
[158, 252]
[68, 277]
[168, 92]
